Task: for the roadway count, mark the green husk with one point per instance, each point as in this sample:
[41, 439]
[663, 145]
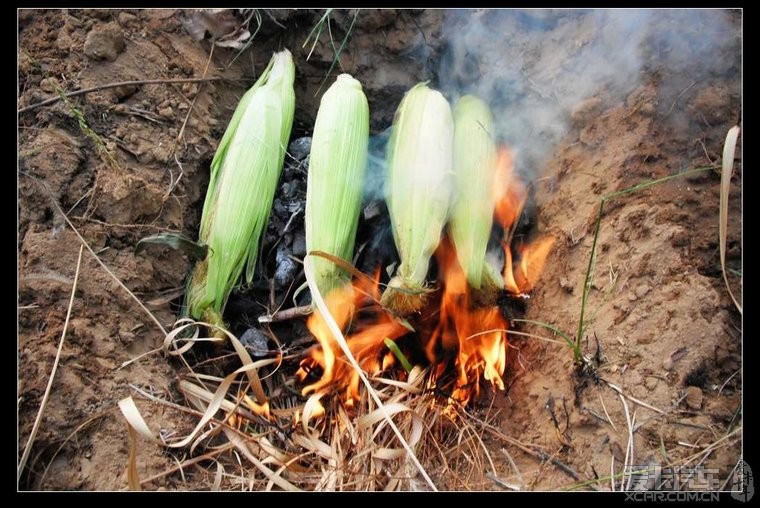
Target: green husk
[335, 183]
[474, 164]
[418, 191]
[244, 175]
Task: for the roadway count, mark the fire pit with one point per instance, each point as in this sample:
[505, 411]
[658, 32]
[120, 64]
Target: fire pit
[465, 250]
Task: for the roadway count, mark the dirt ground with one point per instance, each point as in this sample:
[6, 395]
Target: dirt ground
[130, 161]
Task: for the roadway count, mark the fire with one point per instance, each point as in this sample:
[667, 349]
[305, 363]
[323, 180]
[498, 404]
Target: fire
[459, 335]
[475, 337]
[510, 194]
[366, 343]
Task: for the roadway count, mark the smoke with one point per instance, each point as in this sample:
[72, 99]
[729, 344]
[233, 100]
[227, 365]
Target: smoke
[374, 178]
[535, 66]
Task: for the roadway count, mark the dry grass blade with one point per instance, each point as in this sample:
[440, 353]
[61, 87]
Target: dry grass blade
[633, 399]
[725, 184]
[136, 421]
[538, 454]
[723, 441]
[501, 483]
[245, 358]
[138, 358]
[206, 456]
[606, 413]
[38, 419]
[612, 473]
[369, 420]
[194, 391]
[218, 478]
[210, 402]
[271, 475]
[133, 479]
[482, 444]
[629, 458]
[514, 468]
[335, 330]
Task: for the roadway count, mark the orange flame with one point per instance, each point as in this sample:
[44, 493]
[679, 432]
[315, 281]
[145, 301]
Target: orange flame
[475, 338]
[532, 259]
[366, 345]
[509, 192]
[466, 340]
[510, 195]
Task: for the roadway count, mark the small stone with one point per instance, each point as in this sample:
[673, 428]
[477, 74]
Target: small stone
[650, 383]
[85, 467]
[64, 40]
[162, 153]
[632, 297]
[122, 92]
[166, 112]
[49, 85]
[126, 18]
[565, 284]
[694, 397]
[190, 89]
[667, 363]
[127, 338]
[104, 42]
[99, 13]
[642, 290]
[255, 341]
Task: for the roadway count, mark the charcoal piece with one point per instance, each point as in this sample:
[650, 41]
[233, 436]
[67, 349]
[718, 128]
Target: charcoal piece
[300, 148]
[255, 342]
[296, 205]
[286, 267]
[299, 244]
[287, 190]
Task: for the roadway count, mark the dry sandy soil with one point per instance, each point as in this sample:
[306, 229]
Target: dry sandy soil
[126, 162]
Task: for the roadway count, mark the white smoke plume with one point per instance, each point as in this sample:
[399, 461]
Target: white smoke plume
[535, 66]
